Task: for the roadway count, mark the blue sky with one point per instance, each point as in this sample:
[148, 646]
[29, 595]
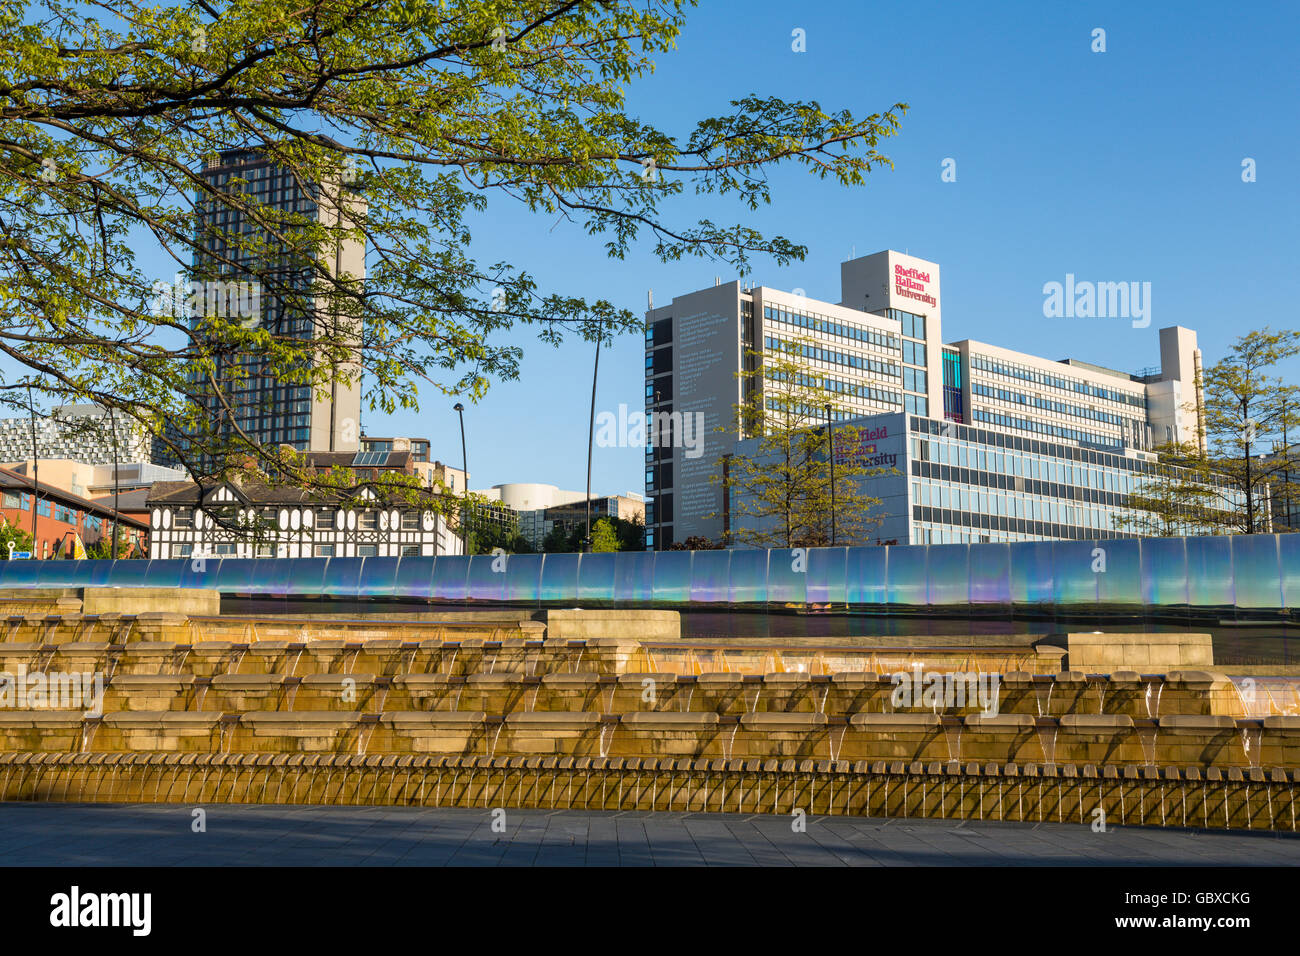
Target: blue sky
[1115, 166]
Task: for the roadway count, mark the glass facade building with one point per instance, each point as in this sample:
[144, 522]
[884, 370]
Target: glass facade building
[270, 408]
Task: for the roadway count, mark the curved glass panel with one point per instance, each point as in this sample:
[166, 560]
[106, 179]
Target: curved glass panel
[634, 576]
[1164, 572]
[59, 573]
[97, 572]
[307, 578]
[450, 578]
[747, 577]
[787, 575]
[1077, 570]
[1288, 546]
[710, 577]
[906, 585]
[1209, 572]
[1031, 573]
[559, 577]
[866, 576]
[826, 569]
[596, 577]
[947, 575]
[126, 573]
[378, 575]
[486, 580]
[524, 578]
[673, 577]
[19, 573]
[1258, 573]
[231, 575]
[342, 576]
[414, 577]
[990, 575]
[1119, 587]
[274, 576]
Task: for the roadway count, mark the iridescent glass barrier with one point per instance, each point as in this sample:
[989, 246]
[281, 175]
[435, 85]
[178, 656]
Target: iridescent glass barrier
[1241, 576]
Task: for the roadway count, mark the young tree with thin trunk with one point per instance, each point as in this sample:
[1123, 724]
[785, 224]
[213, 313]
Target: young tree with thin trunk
[1178, 497]
[781, 495]
[1247, 408]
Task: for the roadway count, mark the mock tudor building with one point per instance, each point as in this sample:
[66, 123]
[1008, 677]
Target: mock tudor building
[245, 518]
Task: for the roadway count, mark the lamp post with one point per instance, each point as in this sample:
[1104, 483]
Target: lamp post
[117, 514]
[591, 432]
[830, 440]
[36, 473]
[459, 409]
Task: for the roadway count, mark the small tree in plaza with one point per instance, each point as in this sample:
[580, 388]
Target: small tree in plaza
[1248, 408]
[781, 495]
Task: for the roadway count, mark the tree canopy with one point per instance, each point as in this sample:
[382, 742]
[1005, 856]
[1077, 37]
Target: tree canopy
[399, 119]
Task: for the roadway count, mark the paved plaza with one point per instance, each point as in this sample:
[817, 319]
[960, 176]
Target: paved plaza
[237, 835]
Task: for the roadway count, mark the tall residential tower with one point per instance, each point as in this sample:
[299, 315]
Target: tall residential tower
[271, 411]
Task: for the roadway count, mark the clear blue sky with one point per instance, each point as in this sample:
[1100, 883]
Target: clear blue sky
[1115, 166]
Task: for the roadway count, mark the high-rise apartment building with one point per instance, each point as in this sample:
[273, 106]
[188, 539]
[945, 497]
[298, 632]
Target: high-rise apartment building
[880, 351]
[269, 409]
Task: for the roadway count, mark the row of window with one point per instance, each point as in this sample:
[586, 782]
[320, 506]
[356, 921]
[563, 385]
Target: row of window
[1011, 505]
[1026, 374]
[1046, 404]
[816, 353]
[324, 518]
[1003, 420]
[1002, 439]
[810, 412]
[51, 509]
[1005, 523]
[817, 323]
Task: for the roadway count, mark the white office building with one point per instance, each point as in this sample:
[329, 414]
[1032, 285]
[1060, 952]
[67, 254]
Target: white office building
[880, 351]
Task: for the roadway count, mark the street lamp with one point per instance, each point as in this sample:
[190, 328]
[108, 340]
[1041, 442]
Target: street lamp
[459, 409]
[117, 514]
[830, 439]
[36, 473]
[591, 431]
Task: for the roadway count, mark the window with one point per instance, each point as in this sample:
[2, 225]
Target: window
[410, 521]
[367, 550]
[410, 550]
[324, 551]
[369, 521]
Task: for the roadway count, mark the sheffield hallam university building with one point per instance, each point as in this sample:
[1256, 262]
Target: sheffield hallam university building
[983, 443]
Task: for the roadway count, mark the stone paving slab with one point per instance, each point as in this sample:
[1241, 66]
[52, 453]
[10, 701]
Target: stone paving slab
[246, 835]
